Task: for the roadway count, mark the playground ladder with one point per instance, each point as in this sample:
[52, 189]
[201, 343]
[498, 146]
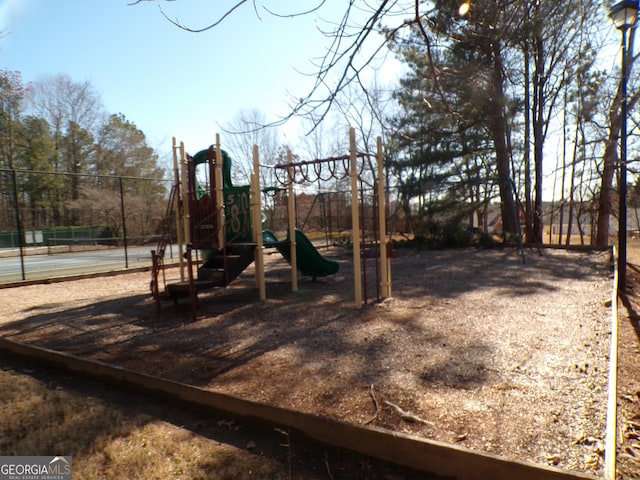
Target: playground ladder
[157, 255]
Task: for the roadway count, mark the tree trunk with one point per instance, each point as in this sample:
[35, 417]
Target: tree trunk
[538, 137]
[497, 128]
[610, 159]
[572, 187]
[528, 207]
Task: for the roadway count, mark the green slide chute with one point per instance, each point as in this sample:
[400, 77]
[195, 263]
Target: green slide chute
[310, 261]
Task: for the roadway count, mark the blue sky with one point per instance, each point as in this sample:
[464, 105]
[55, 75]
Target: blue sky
[170, 82]
[167, 81]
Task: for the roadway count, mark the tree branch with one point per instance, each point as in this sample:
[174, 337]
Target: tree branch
[299, 14]
[140, 1]
[339, 66]
[433, 68]
[177, 23]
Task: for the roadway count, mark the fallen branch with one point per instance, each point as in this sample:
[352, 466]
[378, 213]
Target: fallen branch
[326, 464]
[375, 404]
[407, 416]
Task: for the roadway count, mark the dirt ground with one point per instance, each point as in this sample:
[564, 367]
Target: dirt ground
[483, 350]
[629, 373]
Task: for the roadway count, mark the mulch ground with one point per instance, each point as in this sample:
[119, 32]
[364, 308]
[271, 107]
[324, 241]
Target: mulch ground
[476, 347]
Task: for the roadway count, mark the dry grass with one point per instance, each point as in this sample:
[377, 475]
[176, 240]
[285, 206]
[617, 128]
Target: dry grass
[114, 435]
[111, 441]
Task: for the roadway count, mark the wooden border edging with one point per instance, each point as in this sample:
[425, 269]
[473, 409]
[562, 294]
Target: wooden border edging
[78, 276]
[612, 397]
[414, 452]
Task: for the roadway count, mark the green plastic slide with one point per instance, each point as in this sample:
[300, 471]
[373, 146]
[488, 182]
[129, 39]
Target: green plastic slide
[310, 260]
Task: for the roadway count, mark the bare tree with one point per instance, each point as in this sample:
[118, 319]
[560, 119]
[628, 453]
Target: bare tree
[68, 106]
[243, 132]
[558, 56]
[611, 154]
[12, 92]
[72, 110]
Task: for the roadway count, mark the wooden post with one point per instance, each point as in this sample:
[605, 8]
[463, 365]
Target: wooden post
[385, 264]
[178, 208]
[257, 224]
[355, 219]
[219, 194]
[193, 293]
[292, 226]
[155, 288]
[185, 195]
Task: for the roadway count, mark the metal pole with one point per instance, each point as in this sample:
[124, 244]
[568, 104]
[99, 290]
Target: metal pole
[18, 222]
[124, 225]
[622, 180]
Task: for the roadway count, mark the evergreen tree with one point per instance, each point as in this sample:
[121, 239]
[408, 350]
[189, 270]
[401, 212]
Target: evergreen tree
[122, 150]
[35, 161]
[440, 152]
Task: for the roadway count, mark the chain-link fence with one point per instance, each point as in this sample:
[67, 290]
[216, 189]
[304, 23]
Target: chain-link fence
[56, 219]
[58, 224]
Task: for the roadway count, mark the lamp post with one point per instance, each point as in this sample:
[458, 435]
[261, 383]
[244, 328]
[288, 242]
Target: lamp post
[624, 15]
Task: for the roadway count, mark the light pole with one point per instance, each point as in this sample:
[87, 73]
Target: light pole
[624, 15]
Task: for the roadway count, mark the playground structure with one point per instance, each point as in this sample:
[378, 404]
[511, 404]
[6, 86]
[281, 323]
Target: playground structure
[219, 228]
